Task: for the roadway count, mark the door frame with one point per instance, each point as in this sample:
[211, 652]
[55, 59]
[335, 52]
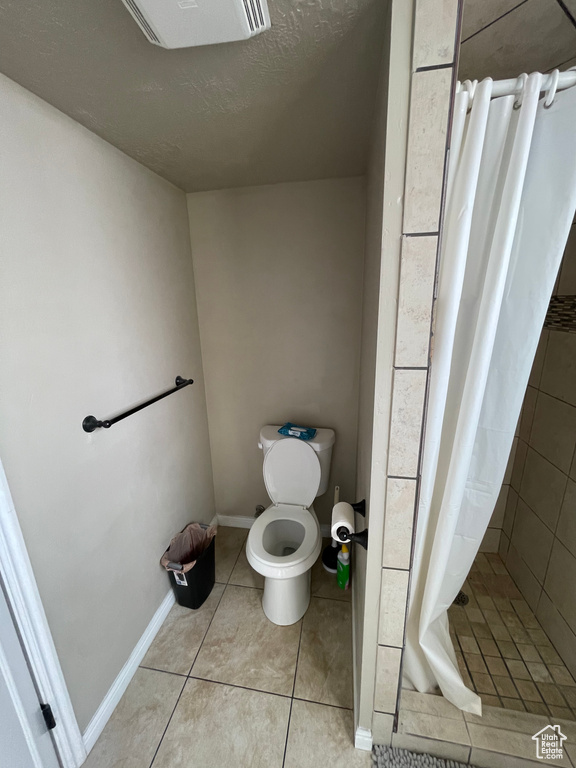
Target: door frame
[32, 626]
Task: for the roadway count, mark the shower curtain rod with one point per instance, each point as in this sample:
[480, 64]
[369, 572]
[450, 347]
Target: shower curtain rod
[515, 85]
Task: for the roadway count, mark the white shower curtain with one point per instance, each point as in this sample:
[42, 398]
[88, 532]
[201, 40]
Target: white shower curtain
[511, 198]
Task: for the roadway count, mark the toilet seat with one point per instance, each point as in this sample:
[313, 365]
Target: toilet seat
[292, 472]
[286, 565]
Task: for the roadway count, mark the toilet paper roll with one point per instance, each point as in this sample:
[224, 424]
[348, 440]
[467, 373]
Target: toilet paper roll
[342, 517]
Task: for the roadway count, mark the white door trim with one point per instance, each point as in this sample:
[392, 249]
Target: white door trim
[30, 619]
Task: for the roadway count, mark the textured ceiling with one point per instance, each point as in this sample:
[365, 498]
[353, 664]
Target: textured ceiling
[293, 103]
[503, 38]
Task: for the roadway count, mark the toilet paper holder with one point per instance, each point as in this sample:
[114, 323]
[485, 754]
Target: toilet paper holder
[358, 538]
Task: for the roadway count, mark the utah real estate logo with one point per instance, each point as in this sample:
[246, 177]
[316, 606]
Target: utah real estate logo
[549, 743]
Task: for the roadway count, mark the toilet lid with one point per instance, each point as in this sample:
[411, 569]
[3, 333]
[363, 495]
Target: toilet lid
[292, 472]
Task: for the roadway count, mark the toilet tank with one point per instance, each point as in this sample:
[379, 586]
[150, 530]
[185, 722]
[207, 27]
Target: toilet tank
[322, 443]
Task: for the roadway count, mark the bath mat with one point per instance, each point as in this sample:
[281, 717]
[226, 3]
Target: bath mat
[394, 757]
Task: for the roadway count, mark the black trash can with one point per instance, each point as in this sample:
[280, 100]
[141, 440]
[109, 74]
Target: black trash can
[191, 564]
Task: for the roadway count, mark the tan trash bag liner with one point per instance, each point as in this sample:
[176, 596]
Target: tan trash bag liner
[187, 546]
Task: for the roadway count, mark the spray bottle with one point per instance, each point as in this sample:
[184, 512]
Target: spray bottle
[343, 568]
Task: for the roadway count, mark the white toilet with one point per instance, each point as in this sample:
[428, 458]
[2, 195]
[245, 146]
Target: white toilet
[285, 541]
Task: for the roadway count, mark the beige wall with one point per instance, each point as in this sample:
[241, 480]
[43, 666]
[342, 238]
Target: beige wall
[97, 313]
[502, 38]
[539, 538]
[493, 535]
[278, 273]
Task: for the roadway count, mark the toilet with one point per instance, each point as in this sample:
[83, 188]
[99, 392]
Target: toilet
[285, 541]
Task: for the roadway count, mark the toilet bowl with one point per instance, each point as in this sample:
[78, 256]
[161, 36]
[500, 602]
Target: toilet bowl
[285, 541]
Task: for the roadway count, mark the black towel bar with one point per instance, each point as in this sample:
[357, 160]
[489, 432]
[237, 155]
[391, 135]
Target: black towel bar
[91, 423]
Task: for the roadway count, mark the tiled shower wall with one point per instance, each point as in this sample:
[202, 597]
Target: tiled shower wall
[435, 34]
[538, 541]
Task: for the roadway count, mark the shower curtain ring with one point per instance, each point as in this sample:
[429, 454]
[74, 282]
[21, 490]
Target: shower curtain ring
[522, 79]
[551, 90]
[470, 86]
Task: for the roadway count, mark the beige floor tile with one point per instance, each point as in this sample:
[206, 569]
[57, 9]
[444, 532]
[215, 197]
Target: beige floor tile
[536, 707]
[529, 652]
[551, 695]
[508, 649]
[496, 666]
[527, 690]
[484, 758]
[488, 647]
[175, 646]
[491, 701]
[229, 542]
[468, 644]
[518, 669]
[529, 620]
[429, 704]
[493, 618]
[561, 675]
[483, 563]
[217, 725]
[466, 679]
[505, 686]
[496, 562]
[519, 635]
[501, 603]
[560, 712]
[539, 637]
[481, 630]
[244, 575]
[548, 654]
[433, 727]
[516, 704]
[507, 720]
[475, 662]
[475, 615]
[539, 672]
[569, 693]
[443, 749]
[486, 603]
[511, 620]
[322, 736]
[500, 632]
[483, 683]
[502, 741]
[521, 607]
[459, 621]
[243, 648]
[324, 671]
[324, 584]
[132, 734]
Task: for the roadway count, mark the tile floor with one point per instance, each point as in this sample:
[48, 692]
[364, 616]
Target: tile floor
[501, 738]
[502, 651]
[224, 686]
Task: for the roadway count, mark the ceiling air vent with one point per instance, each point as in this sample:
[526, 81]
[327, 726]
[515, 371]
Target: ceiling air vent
[186, 23]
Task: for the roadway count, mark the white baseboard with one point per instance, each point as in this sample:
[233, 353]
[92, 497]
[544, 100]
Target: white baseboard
[235, 521]
[363, 739]
[238, 521]
[108, 705]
